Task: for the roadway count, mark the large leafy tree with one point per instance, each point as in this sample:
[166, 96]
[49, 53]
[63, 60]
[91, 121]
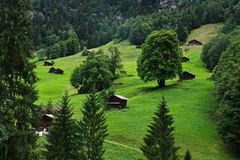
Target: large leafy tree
[159, 141]
[92, 129]
[62, 138]
[17, 81]
[93, 74]
[161, 57]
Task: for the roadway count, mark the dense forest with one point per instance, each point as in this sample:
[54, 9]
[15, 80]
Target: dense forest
[94, 23]
[221, 55]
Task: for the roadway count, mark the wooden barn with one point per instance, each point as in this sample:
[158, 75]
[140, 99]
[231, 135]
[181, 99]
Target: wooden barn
[187, 76]
[46, 63]
[58, 71]
[185, 59]
[51, 70]
[45, 122]
[116, 101]
[195, 42]
[55, 71]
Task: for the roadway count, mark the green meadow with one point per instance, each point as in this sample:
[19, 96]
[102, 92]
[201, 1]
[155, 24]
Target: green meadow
[190, 102]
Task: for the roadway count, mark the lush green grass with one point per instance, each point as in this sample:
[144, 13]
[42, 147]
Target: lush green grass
[190, 102]
[206, 32]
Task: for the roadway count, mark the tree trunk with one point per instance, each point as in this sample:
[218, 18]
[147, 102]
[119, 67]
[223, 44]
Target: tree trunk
[161, 83]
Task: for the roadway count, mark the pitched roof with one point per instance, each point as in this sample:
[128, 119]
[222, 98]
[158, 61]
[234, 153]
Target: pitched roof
[121, 97]
[50, 116]
[194, 40]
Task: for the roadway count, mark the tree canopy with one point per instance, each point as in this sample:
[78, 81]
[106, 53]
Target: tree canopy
[160, 59]
[93, 74]
[17, 81]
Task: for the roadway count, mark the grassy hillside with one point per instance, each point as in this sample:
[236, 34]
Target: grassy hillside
[190, 103]
[205, 33]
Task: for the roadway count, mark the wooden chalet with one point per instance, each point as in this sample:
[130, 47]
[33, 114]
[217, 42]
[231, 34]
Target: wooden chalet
[46, 63]
[45, 122]
[117, 101]
[187, 76]
[185, 59]
[195, 42]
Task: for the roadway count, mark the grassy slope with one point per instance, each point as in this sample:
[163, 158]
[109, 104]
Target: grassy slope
[190, 103]
[205, 32]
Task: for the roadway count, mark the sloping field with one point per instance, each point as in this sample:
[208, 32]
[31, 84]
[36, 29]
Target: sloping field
[206, 32]
[190, 102]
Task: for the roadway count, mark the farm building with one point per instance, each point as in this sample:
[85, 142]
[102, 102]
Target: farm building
[116, 101]
[195, 42]
[51, 70]
[58, 71]
[185, 59]
[187, 76]
[55, 71]
[46, 63]
[45, 122]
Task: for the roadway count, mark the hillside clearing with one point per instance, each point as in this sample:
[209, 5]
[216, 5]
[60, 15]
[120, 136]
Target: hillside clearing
[190, 103]
[206, 32]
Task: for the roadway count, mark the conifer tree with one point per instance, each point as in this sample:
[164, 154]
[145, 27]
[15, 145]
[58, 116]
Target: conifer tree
[92, 129]
[187, 155]
[115, 65]
[159, 141]
[62, 143]
[17, 81]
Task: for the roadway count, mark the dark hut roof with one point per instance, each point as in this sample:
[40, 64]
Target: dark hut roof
[187, 76]
[48, 63]
[194, 40]
[188, 73]
[185, 59]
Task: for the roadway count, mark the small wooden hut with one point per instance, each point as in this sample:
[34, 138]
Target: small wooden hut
[117, 101]
[55, 71]
[187, 76]
[185, 59]
[46, 63]
[51, 70]
[58, 71]
[45, 122]
[195, 42]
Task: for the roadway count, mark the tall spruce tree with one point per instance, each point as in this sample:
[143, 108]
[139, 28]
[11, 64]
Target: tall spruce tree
[115, 65]
[188, 155]
[92, 129]
[159, 141]
[17, 81]
[62, 142]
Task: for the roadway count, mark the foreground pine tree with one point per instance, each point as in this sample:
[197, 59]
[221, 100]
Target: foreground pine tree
[187, 155]
[62, 143]
[92, 129]
[17, 79]
[159, 142]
